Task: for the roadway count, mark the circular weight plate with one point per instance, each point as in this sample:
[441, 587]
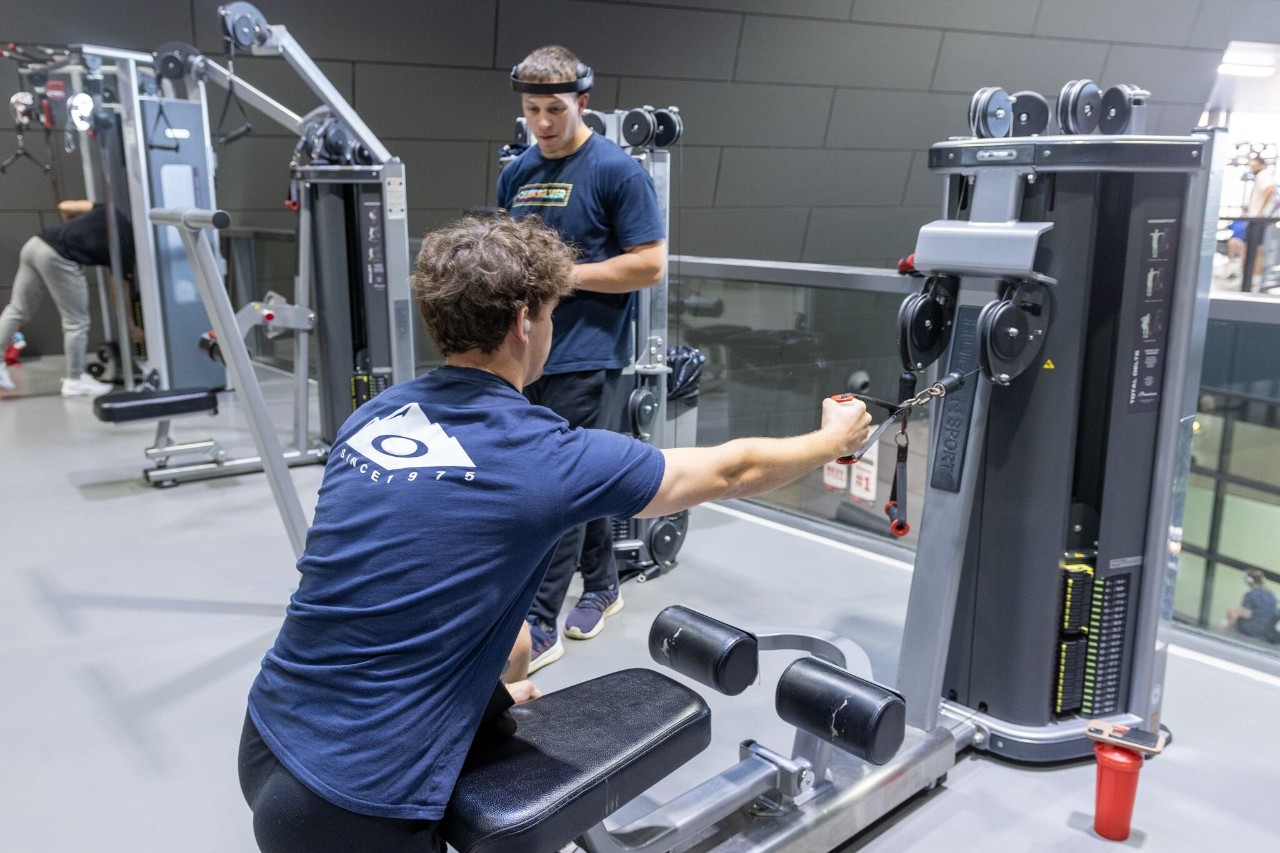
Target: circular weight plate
[639, 127]
[1116, 110]
[995, 117]
[593, 121]
[666, 536]
[1030, 113]
[670, 127]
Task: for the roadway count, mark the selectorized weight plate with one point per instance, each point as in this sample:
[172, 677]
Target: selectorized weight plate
[1011, 332]
[1030, 113]
[990, 113]
[1116, 109]
[670, 127]
[1079, 107]
[639, 127]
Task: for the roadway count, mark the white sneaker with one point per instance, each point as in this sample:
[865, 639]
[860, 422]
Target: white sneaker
[6, 381]
[85, 386]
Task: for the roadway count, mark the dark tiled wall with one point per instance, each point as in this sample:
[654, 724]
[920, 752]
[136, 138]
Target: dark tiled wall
[805, 119]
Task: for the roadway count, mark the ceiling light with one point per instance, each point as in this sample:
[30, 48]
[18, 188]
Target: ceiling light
[1239, 69]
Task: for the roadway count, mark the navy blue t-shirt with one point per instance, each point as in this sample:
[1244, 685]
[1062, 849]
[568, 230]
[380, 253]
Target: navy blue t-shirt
[601, 201]
[441, 502]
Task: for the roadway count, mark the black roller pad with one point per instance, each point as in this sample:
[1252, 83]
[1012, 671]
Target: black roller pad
[124, 406]
[861, 717]
[708, 651]
[576, 756]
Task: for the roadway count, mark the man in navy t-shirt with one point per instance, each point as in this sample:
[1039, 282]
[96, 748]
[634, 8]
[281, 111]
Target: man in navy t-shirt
[442, 502]
[603, 204]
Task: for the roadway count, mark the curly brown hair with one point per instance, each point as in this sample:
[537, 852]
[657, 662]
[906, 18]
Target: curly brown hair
[550, 64]
[472, 277]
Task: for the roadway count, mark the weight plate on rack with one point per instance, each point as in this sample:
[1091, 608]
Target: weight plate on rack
[1079, 107]
[670, 127]
[1030, 113]
[1116, 110]
[639, 127]
[990, 113]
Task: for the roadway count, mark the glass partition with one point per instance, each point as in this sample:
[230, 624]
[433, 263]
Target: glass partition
[1233, 496]
[780, 337]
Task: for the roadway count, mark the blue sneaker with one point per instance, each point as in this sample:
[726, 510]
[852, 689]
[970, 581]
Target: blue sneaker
[586, 619]
[547, 647]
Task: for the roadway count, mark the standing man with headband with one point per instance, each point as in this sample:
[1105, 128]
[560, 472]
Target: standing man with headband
[604, 205]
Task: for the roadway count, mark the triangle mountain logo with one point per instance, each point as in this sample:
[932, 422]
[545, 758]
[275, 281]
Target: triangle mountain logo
[407, 439]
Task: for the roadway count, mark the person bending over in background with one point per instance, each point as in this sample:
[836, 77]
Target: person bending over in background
[53, 263]
[442, 503]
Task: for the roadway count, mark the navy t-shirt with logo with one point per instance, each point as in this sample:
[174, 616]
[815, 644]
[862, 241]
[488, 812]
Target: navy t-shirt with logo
[601, 201]
[441, 502]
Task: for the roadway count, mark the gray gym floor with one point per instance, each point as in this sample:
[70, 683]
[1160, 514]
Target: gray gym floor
[133, 619]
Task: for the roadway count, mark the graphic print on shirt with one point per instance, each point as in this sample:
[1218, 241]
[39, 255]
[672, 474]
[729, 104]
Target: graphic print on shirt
[543, 195]
[406, 438]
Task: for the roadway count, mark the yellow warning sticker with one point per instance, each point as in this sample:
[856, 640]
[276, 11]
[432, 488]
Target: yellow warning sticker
[1048, 364]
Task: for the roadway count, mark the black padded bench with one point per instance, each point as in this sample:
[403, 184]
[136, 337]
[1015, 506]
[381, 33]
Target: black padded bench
[576, 756]
[124, 406]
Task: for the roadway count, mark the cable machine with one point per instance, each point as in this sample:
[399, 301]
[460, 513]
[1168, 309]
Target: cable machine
[152, 149]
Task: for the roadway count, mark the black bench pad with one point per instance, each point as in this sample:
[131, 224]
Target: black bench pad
[123, 406]
[577, 755]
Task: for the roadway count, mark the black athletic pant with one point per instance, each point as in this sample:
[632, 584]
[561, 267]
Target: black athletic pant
[289, 818]
[591, 399]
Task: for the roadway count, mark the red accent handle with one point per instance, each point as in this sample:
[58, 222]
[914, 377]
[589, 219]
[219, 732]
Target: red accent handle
[290, 204]
[899, 528]
[907, 265]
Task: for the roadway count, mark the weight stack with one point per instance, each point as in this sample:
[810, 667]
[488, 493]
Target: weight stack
[1073, 635]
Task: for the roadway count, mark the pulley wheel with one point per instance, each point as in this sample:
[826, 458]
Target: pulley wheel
[990, 113]
[643, 408]
[666, 536]
[1030, 113]
[639, 127]
[1011, 332]
[1116, 110]
[670, 127]
[1079, 107]
[593, 121]
[923, 330]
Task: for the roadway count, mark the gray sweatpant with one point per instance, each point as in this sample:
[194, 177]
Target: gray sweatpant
[42, 269]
